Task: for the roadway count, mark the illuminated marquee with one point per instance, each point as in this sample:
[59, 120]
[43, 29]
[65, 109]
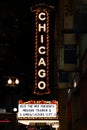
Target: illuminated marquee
[41, 51]
[38, 109]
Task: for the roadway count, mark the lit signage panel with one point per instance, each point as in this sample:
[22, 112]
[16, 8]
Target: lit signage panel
[36, 110]
[42, 41]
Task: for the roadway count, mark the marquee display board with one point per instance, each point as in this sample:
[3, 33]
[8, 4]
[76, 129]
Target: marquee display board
[38, 109]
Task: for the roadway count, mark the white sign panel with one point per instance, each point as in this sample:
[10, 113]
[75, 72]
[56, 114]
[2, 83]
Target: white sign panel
[37, 110]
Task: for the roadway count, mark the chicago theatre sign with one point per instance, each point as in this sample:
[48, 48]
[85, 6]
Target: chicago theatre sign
[40, 111]
[42, 49]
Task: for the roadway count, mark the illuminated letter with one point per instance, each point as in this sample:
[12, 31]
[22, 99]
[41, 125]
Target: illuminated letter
[41, 62]
[42, 27]
[41, 50]
[41, 73]
[42, 16]
[41, 38]
[41, 85]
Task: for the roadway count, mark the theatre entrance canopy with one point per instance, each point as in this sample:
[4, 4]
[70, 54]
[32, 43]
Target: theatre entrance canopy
[36, 112]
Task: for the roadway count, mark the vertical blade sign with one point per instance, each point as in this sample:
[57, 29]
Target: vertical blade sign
[41, 51]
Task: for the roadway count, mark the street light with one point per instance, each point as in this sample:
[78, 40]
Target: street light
[12, 81]
[9, 81]
[16, 81]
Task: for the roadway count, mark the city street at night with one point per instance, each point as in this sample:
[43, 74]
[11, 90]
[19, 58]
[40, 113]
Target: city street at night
[43, 64]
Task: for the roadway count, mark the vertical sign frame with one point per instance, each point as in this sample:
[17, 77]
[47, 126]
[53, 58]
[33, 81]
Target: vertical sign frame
[42, 41]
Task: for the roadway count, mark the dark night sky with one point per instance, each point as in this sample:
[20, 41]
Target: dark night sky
[17, 30]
